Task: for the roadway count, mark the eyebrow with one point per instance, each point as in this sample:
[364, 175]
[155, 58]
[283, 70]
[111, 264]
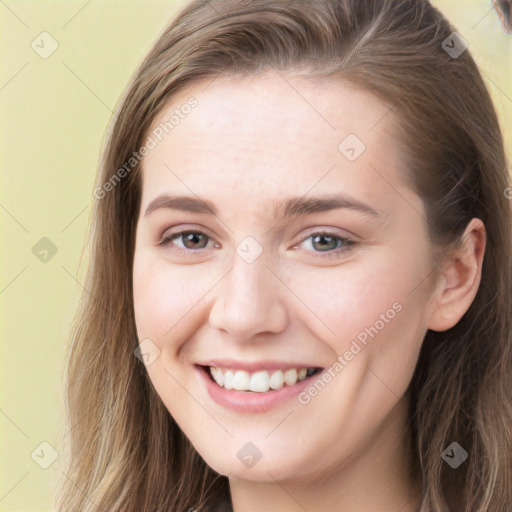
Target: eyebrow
[282, 208]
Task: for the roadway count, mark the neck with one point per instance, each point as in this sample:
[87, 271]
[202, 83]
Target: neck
[378, 479]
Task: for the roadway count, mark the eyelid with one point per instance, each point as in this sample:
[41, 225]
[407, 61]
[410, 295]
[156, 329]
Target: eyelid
[181, 229]
[331, 230]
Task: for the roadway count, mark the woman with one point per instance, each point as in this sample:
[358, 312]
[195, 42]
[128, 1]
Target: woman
[299, 290]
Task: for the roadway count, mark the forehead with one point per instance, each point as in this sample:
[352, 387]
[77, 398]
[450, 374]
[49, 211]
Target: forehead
[271, 136]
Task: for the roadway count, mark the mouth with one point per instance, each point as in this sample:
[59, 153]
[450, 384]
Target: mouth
[261, 381]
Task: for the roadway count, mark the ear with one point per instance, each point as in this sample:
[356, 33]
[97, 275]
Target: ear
[458, 279]
[504, 10]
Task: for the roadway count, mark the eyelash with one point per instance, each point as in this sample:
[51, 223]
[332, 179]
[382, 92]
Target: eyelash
[347, 243]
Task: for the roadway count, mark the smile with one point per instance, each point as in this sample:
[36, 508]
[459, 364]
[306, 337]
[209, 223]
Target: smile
[262, 397]
[260, 381]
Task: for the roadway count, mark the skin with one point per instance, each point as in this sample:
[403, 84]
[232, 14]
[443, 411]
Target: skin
[239, 148]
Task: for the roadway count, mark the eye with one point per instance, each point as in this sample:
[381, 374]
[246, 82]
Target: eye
[324, 243]
[330, 244]
[186, 241]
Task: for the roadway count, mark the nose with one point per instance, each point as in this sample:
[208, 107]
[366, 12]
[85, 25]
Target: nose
[250, 300]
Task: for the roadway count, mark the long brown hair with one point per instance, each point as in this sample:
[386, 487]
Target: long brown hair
[126, 451]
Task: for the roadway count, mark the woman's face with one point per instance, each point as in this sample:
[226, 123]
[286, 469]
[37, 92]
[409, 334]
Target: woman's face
[277, 174]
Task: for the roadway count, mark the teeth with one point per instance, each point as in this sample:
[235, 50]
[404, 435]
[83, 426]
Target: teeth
[241, 380]
[258, 382]
[228, 379]
[277, 380]
[290, 377]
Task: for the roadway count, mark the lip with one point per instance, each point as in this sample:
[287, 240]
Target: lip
[249, 402]
[231, 364]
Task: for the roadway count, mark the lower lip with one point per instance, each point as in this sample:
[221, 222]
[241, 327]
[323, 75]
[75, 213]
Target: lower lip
[247, 401]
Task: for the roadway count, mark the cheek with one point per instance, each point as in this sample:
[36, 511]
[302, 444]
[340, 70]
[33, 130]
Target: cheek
[361, 292]
[162, 295]
[373, 308]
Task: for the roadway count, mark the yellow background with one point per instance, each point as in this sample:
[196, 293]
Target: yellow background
[54, 114]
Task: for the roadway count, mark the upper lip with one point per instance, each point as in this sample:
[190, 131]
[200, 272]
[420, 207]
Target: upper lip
[255, 365]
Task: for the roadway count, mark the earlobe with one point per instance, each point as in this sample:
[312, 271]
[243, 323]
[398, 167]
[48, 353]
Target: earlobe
[458, 279]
